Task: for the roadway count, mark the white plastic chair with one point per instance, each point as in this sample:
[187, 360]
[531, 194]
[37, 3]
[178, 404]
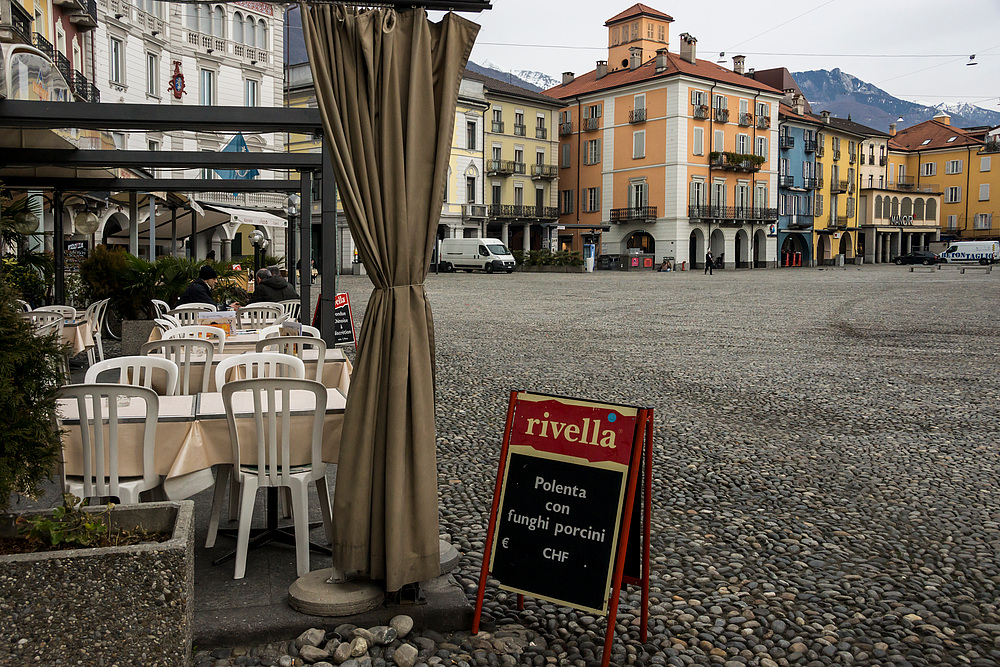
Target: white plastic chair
[260, 364]
[269, 332]
[95, 316]
[258, 315]
[183, 352]
[23, 305]
[42, 317]
[68, 312]
[136, 371]
[189, 312]
[96, 404]
[166, 323]
[162, 307]
[199, 331]
[291, 307]
[296, 345]
[310, 331]
[272, 440]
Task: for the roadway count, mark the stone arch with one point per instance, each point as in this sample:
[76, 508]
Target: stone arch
[931, 212]
[717, 243]
[639, 239]
[696, 248]
[906, 208]
[878, 206]
[760, 248]
[116, 222]
[886, 208]
[742, 249]
[918, 208]
[895, 206]
[822, 249]
[846, 247]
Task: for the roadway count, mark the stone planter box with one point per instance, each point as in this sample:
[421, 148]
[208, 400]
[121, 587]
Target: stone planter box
[129, 605]
[134, 334]
[551, 269]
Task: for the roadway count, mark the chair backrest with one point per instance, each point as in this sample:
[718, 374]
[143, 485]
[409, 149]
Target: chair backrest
[269, 332]
[68, 312]
[24, 306]
[40, 318]
[96, 404]
[136, 371]
[184, 352]
[272, 399]
[257, 315]
[260, 365]
[50, 327]
[199, 331]
[189, 313]
[162, 307]
[310, 331]
[296, 345]
[164, 324]
[100, 314]
[291, 307]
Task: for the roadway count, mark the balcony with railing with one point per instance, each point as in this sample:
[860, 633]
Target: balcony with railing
[210, 43]
[590, 124]
[812, 183]
[637, 116]
[992, 146]
[837, 186]
[820, 149]
[62, 64]
[786, 141]
[541, 133]
[746, 119]
[732, 214]
[905, 183]
[841, 221]
[763, 122]
[504, 167]
[474, 211]
[267, 201]
[85, 19]
[851, 158]
[43, 45]
[151, 25]
[786, 181]
[250, 53]
[519, 129]
[735, 161]
[16, 23]
[83, 89]
[544, 171]
[643, 214]
[720, 115]
[496, 127]
[882, 160]
[700, 111]
[566, 128]
[809, 145]
[522, 212]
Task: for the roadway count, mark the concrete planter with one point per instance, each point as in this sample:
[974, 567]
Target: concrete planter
[129, 605]
[134, 334]
[551, 269]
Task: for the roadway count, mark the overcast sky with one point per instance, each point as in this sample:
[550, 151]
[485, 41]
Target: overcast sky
[875, 40]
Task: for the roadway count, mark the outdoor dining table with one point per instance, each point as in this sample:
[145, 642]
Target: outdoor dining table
[192, 435]
[78, 335]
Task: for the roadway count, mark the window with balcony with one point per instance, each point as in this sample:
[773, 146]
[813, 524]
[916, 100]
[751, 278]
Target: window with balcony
[719, 193]
[638, 193]
[496, 152]
[518, 194]
[743, 143]
[116, 61]
[207, 87]
[519, 123]
[496, 193]
[760, 148]
[470, 189]
[497, 124]
[152, 75]
[696, 192]
[540, 130]
[952, 222]
[953, 195]
[983, 221]
[593, 200]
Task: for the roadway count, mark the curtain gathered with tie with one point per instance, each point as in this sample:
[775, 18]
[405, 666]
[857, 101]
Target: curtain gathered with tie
[387, 85]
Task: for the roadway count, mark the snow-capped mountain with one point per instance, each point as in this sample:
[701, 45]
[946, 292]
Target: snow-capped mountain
[536, 81]
[973, 114]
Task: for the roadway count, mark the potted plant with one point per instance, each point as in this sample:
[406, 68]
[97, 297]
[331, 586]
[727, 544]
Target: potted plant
[85, 604]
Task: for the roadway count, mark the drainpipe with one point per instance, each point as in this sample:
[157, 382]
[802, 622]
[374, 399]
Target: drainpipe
[579, 159]
[753, 145]
[711, 141]
[968, 183]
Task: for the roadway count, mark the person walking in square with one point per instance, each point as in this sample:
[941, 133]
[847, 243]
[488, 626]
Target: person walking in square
[708, 263]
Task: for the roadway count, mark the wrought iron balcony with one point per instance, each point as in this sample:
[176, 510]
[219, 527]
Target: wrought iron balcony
[700, 111]
[735, 161]
[543, 171]
[519, 130]
[732, 214]
[812, 183]
[86, 18]
[809, 145]
[62, 64]
[541, 133]
[497, 127]
[566, 128]
[786, 181]
[637, 116]
[16, 28]
[589, 124]
[502, 167]
[763, 122]
[83, 89]
[474, 211]
[43, 45]
[882, 160]
[521, 212]
[841, 221]
[851, 158]
[837, 186]
[721, 115]
[633, 214]
[820, 150]
[786, 141]
[746, 119]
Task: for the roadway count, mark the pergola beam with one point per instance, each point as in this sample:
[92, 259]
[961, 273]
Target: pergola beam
[147, 185]
[10, 157]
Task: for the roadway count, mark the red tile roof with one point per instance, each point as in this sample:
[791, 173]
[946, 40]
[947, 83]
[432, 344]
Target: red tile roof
[785, 111]
[702, 69]
[638, 9]
[935, 133]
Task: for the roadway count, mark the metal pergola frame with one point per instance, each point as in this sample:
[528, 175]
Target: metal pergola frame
[21, 115]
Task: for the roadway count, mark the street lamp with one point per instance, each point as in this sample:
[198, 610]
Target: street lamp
[259, 242]
[26, 222]
[292, 211]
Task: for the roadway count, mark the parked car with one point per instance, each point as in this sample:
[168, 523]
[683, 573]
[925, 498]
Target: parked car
[917, 257]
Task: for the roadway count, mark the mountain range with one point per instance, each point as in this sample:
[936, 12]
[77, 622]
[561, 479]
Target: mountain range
[836, 91]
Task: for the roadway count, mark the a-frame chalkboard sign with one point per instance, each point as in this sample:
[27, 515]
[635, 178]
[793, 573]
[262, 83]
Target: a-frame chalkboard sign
[571, 509]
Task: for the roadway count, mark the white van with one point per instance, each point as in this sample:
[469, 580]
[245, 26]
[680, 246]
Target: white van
[984, 252]
[490, 255]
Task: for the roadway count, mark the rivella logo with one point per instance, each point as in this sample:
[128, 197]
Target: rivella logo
[589, 432]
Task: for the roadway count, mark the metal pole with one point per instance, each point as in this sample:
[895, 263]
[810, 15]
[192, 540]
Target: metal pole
[193, 239]
[133, 223]
[58, 248]
[173, 231]
[152, 228]
[329, 255]
[305, 246]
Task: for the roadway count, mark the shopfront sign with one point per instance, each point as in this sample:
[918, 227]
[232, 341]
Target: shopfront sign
[901, 221]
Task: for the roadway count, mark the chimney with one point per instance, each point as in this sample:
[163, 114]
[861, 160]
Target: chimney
[826, 116]
[634, 57]
[799, 104]
[661, 60]
[688, 44]
[602, 69]
[892, 129]
[942, 117]
[738, 62]
[567, 78]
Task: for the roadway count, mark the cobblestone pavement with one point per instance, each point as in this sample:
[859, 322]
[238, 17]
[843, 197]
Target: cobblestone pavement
[825, 466]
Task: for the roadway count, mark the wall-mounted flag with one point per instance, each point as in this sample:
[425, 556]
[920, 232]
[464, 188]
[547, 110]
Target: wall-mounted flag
[237, 145]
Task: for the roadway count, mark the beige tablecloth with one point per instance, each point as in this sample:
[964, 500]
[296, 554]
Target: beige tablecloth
[78, 334]
[192, 435]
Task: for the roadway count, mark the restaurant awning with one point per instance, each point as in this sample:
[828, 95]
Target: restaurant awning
[214, 216]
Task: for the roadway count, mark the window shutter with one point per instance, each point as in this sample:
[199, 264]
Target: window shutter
[597, 156]
[694, 97]
[586, 113]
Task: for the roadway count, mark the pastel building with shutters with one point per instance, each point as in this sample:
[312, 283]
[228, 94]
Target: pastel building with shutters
[665, 155]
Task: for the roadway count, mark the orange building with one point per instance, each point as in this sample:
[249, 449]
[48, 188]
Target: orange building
[665, 155]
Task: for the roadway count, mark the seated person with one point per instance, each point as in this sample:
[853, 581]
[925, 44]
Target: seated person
[270, 287]
[200, 289]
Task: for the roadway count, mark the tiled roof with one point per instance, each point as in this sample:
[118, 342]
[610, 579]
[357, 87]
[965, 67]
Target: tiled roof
[935, 133]
[504, 88]
[851, 127]
[702, 69]
[638, 9]
[785, 111]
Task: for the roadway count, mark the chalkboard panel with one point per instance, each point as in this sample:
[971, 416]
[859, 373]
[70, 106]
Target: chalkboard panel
[343, 321]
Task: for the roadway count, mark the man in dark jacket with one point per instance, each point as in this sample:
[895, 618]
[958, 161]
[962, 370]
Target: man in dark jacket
[271, 288]
[200, 290]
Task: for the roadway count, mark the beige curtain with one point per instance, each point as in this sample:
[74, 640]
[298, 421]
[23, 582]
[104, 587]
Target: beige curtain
[387, 85]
